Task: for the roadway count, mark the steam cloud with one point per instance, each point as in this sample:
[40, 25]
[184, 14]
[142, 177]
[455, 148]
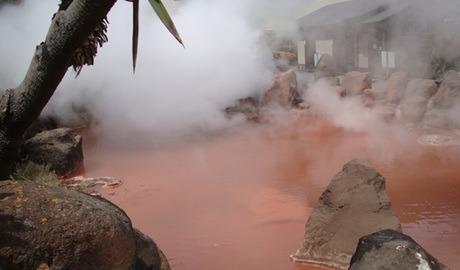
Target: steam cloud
[175, 91]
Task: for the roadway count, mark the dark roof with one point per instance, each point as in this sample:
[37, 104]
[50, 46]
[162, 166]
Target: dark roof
[341, 12]
[390, 10]
[372, 11]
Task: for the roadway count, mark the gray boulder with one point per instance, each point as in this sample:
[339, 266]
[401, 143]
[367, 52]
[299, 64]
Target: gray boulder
[47, 227]
[354, 204]
[389, 249]
[60, 148]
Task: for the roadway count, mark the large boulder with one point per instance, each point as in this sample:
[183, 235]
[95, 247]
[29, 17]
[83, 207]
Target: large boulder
[60, 148]
[414, 105]
[389, 249]
[54, 228]
[356, 82]
[422, 88]
[448, 93]
[413, 109]
[395, 87]
[284, 89]
[354, 204]
[444, 106]
[440, 118]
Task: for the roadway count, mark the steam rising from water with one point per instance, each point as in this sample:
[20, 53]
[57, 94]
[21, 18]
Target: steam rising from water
[348, 113]
[175, 91]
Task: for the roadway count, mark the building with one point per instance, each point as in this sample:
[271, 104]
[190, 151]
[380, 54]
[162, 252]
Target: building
[379, 35]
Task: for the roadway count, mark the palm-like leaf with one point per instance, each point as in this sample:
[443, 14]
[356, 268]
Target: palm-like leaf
[162, 13]
[165, 18]
[135, 31]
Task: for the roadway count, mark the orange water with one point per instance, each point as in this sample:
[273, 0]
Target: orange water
[240, 200]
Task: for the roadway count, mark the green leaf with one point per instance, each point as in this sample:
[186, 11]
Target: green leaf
[135, 31]
[162, 13]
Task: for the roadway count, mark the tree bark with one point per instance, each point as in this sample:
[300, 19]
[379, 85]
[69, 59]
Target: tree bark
[21, 106]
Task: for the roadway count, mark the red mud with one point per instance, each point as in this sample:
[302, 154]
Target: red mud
[240, 200]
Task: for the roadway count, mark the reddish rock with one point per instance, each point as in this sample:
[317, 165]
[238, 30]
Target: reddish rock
[422, 88]
[439, 119]
[413, 109]
[375, 93]
[386, 111]
[284, 89]
[331, 81]
[339, 90]
[396, 87]
[414, 105]
[356, 82]
[368, 101]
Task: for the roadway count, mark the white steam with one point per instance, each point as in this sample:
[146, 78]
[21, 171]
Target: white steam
[348, 113]
[175, 91]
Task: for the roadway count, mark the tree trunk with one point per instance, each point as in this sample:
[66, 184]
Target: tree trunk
[21, 106]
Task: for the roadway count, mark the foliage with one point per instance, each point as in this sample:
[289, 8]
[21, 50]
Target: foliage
[36, 172]
[87, 51]
[84, 55]
[438, 51]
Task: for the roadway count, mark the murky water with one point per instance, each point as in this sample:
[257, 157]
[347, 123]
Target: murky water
[240, 200]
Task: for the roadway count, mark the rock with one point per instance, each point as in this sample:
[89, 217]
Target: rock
[389, 249]
[64, 229]
[149, 256]
[40, 125]
[448, 93]
[104, 181]
[444, 106]
[246, 106]
[375, 93]
[355, 82]
[60, 148]
[414, 105]
[422, 88]
[339, 90]
[330, 81]
[325, 67]
[354, 204]
[284, 89]
[396, 87]
[438, 119]
[413, 109]
[386, 111]
[368, 101]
